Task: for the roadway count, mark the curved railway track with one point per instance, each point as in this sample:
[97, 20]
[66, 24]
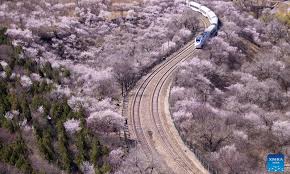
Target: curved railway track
[150, 122]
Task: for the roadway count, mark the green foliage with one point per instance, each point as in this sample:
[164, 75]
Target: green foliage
[8, 124]
[14, 102]
[47, 148]
[11, 64]
[49, 72]
[37, 101]
[16, 51]
[81, 115]
[30, 66]
[3, 37]
[51, 137]
[60, 110]
[96, 152]
[66, 73]
[61, 132]
[25, 111]
[44, 140]
[105, 150]
[106, 168]
[4, 100]
[83, 140]
[16, 154]
[62, 146]
[82, 146]
[98, 171]
[40, 88]
[8, 71]
[285, 18]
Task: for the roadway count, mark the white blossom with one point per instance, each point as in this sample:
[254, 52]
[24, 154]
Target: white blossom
[9, 115]
[40, 109]
[116, 156]
[25, 81]
[168, 46]
[282, 128]
[21, 34]
[3, 64]
[106, 121]
[72, 125]
[3, 74]
[35, 77]
[87, 168]
[241, 134]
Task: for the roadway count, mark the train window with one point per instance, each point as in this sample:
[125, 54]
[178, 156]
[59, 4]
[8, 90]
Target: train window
[198, 39]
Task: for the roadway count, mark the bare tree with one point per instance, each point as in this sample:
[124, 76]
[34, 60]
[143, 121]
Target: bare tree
[137, 163]
[126, 76]
[276, 31]
[254, 6]
[209, 130]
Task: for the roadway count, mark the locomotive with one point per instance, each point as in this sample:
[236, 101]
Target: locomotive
[209, 31]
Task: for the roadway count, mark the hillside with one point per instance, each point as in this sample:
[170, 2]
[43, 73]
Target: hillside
[74, 58]
[45, 134]
[231, 101]
[67, 68]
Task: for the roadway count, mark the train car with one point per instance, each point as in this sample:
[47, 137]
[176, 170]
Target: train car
[211, 30]
[200, 40]
[195, 6]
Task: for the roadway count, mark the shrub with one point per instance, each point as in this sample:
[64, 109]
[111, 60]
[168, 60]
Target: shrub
[3, 37]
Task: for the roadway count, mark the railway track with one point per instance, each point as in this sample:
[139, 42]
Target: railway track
[150, 124]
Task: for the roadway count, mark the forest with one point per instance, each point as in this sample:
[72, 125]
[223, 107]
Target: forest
[231, 101]
[65, 66]
[39, 123]
[64, 72]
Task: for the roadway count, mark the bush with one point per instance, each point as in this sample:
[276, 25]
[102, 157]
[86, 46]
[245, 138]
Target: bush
[66, 73]
[40, 88]
[285, 18]
[8, 124]
[4, 100]
[66, 162]
[44, 140]
[96, 152]
[25, 110]
[51, 73]
[29, 65]
[82, 146]
[16, 154]
[3, 37]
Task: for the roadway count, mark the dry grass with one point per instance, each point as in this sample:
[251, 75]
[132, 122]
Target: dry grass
[283, 7]
[120, 13]
[116, 14]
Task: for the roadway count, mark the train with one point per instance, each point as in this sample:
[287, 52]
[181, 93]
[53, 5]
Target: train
[210, 31]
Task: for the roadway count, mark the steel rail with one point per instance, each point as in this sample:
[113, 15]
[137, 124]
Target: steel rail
[136, 122]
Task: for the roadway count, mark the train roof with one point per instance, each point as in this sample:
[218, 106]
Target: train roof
[214, 20]
[195, 4]
[205, 9]
[210, 28]
[211, 14]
